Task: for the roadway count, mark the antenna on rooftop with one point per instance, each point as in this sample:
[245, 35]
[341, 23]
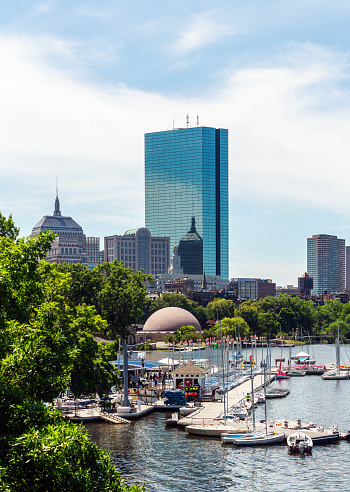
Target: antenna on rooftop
[197, 120]
[173, 124]
[187, 120]
[56, 186]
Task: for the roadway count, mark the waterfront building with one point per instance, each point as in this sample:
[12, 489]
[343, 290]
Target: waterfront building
[326, 263]
[253, 288]
[186, 182]
[139, 250]
[70, 243]
[95, 256]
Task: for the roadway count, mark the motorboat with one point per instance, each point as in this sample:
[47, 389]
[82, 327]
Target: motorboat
[297, 373]
[299, 443]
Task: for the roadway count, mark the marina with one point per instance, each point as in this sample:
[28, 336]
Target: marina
[169, 459]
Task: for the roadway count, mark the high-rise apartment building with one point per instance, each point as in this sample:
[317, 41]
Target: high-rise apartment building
[186, 182]
[326, 263]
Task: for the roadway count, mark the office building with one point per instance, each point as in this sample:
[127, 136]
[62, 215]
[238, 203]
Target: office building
[139, 250]
[347, 268]
[186, 193]
[305, 285]
[95, 256]
[70, 243]
[326, 263]
[253, 288]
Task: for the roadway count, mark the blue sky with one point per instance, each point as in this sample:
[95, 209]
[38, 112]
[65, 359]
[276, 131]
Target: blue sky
[82, 81]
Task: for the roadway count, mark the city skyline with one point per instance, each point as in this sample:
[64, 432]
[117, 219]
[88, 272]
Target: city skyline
[81, 85]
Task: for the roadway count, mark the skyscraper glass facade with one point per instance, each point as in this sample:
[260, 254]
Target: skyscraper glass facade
[186, 175]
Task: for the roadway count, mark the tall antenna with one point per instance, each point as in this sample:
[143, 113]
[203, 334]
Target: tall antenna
[56, 186]
[197, 120]
[187, 120]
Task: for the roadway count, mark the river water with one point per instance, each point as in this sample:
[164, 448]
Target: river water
[171, 460]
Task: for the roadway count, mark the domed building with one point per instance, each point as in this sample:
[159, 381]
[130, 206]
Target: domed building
[168, 320]
[70, 243]
[191, 251]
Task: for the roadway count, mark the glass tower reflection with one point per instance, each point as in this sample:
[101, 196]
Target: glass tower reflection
[186, 175]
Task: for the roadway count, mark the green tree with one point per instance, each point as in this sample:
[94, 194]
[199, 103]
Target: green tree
[249, 311]
[120, 300]
[8, 228]
[233, 327]
[44, 342]
[40, 451]
[220, 308]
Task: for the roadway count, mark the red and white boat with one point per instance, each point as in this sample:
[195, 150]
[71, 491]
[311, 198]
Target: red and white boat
[299, 443]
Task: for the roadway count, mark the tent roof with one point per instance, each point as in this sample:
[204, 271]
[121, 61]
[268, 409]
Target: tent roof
[190, 369]
[301, 354]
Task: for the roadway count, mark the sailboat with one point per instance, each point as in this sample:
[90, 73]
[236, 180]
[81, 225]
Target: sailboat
[254, 438]
[281, 374]
[337, 374]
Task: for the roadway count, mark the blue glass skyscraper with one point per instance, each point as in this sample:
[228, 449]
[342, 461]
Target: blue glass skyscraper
[186, 176]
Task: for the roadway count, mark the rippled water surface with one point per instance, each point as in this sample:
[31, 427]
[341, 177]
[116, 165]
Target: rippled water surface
[170, 460]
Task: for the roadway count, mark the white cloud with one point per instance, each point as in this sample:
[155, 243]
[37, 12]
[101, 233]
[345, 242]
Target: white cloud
[201, 32]
[288, 127]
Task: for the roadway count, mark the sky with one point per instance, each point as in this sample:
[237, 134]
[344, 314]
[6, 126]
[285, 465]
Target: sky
[82, 82]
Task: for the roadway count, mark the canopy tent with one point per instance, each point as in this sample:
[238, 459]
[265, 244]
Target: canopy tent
[135, 364]
[301, 354]
[168, 362]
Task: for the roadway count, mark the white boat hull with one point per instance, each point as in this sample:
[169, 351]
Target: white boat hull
[259, 440]
[213, 430]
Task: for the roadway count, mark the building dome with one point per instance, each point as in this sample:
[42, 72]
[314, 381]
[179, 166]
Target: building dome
[170, 319]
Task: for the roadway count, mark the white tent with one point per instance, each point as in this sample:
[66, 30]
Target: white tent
[169, 362]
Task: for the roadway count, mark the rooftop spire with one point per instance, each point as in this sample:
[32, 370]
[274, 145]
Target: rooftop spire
[57, 210]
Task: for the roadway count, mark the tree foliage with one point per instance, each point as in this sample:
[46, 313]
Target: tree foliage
[46, 343]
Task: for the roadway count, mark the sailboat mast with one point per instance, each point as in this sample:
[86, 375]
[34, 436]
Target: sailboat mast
[337, 350]
[252, 378]
[223, 371]
[265, 397]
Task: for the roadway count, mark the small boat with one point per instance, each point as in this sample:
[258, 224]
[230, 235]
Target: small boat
[188, 409]
[258, 439]
[281, 374]
[297, 372]
[337, 373]
[237, 412]
[299, 443]
[277, 393]
[214, 429]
